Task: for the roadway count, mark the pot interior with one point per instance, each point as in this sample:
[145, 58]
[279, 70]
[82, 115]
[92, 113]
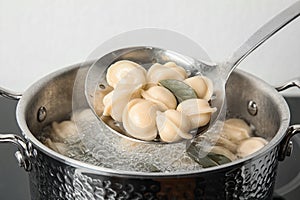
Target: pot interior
[50, 100]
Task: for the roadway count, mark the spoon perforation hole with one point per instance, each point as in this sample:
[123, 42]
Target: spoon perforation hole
[102, 86]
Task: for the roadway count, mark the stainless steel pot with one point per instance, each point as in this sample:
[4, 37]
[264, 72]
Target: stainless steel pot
[54, 176]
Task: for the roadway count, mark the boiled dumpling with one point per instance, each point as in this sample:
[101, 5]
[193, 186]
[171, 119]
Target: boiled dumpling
[122, 69]
[107, 102]
[139, 119]
[250, 145]
[173, 126]
[59, 147]
[127, 78]
[64, 130]
[198, 110]
[98, 100]
[224, 142]
[239, 123]
[202, 85]
[161, 96]
[236, 130]
[115, 101]
[170, 70]
[223, 151]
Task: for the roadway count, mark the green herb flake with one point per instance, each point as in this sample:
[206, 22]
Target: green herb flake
[180, 90]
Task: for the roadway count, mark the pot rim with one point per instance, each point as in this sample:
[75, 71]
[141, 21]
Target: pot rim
[89, 168]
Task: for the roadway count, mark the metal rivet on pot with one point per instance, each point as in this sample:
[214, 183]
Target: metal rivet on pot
[289, 149]
[42, 114]
[252, 108]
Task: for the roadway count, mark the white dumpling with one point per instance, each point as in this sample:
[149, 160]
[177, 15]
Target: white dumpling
[161, 96]
[139, 119]
[198, 110]
[129, 80]
[116, 101]
[98, 99]
[124, 68]
[56, 146]
[170, 70]
[173, 126]
[64, 130]
[239, 123]
[224, 142]
[202, 85]
[250, 145]
[235, 130]
[107, 102]
[223, 151]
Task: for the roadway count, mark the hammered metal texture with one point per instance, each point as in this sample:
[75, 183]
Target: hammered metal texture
[255, 180]
[51, 179]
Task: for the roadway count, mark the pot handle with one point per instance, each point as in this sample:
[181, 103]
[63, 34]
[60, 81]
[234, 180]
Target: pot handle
[9, 94]
[293, 183]
[292, 83]
[286, 144]
[25, 150]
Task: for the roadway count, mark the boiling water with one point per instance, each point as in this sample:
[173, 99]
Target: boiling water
[109, 150]
[96, 144]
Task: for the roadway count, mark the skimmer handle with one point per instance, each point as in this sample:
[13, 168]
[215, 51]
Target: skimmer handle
[260, 36]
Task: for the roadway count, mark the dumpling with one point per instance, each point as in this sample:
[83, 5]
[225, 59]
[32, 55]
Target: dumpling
[250, 145]
[198, 110]
[202, 85]
[107, 102]
[64, 130]
[170, 70]
[224, 142]
[139, 119]
[235, 130]
[161, 96]
[223, 151]
[173, 126]
[115, 101]
[122, 69]
[239, 123]
[98, 100]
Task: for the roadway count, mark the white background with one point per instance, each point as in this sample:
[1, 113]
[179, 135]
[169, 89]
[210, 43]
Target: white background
[38, 37]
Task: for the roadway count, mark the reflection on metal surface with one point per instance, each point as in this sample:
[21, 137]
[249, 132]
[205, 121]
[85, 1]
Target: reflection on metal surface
[294, 182]
[24, 150]
[42, 114]
[285, 146]
[10, 94]
[292, 83]
[252, 108]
